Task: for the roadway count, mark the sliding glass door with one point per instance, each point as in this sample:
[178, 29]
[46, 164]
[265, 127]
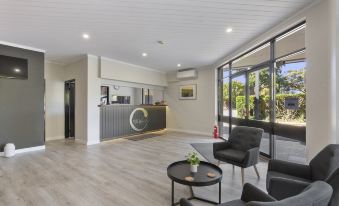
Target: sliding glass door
[290, 104]
[265, 88]
[259, 104]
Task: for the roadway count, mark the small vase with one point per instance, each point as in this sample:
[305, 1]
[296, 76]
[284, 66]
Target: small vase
[194, 168]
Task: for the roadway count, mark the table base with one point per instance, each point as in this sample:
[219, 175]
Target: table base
[193, 197]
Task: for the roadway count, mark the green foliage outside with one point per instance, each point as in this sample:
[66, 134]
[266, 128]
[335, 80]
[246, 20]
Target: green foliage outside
[290, 84]
[282, 113]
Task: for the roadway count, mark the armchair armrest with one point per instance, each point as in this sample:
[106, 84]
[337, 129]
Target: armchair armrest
[251, 193]
[294, 169]
[252, 156]
[184, 202]
[220, 146]
[281, 188]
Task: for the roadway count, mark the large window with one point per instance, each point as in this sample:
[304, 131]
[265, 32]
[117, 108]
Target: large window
[265, 88]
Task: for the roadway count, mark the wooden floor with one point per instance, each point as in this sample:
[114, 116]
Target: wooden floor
[119, 172]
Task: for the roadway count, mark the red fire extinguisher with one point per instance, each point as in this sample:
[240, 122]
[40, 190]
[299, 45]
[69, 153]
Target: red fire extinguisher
[215, 132]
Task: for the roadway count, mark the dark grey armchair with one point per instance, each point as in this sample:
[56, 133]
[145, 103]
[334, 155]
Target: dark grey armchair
[241, 149]
[316, 194]
[284, 178]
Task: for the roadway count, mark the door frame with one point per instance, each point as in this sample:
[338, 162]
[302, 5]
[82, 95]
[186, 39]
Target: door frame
[266, 126]
[67, 110]
[271, 127]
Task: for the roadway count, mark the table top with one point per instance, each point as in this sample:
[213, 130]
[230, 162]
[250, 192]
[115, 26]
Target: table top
[177, 172]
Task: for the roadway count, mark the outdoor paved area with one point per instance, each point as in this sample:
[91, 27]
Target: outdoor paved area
[286, 149]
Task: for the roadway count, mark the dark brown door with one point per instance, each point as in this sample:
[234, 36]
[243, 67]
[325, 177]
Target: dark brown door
[70, 109]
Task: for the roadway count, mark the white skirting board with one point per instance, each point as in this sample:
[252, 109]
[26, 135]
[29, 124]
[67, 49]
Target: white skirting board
[189, 132]
[86, 142]
[92, 142]
[29, 149]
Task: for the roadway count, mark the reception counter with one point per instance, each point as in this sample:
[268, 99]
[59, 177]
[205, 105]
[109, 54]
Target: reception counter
[123, 120]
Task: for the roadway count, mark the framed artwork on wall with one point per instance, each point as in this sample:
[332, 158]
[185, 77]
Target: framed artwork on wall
[188, 92]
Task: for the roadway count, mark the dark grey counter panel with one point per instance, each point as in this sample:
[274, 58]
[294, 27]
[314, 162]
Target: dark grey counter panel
[122, 120]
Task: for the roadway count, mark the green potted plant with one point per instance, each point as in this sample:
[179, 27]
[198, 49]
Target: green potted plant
[193, 159]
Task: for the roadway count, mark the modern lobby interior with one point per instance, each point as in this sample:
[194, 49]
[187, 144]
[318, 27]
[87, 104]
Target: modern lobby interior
[159, 102]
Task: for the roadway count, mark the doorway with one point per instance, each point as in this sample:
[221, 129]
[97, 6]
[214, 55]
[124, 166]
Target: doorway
[70, 108]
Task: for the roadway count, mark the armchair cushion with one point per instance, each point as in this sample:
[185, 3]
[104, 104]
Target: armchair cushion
[325, 162]
[273, 175]
[315, 194]
[245, 138]
[289, 168]
[217, 146]
[252, 157]
[251, 193]
[231, 154]
[333, 180]
[281, 188]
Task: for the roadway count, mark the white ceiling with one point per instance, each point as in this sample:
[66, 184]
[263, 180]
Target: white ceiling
[193, 30]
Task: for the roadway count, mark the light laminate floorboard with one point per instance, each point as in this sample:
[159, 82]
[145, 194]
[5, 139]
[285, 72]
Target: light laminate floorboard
[119, 172]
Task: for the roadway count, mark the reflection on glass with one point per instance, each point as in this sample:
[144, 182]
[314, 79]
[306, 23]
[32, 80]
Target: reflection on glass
[226, 99]
[259, 96]
[121, 99]
[104, 95]
[225, 130]
[238, 99]
[291, 93]
[291, 41]
[156, 96]
[116, 94]
[255, 57]
[290, 107]
[290, 150]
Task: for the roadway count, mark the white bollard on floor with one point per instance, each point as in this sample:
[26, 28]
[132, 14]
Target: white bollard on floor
[9, 150]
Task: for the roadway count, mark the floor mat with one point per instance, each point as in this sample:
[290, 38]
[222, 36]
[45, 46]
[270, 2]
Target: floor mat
[143, 136]
[206, 150]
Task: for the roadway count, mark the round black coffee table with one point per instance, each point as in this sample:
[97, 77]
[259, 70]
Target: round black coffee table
[177, 172]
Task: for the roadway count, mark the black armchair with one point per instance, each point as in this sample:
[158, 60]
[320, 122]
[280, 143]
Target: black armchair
[285, 179]
[315, 194]
[241, 149]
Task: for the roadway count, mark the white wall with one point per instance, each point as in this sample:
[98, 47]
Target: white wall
[78, 71]
[122, 71]
[54, 98]
[93, 84]
[336, 35]
[320, 95]
[196, 116]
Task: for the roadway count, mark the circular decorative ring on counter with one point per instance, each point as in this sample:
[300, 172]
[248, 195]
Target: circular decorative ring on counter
[138, 121]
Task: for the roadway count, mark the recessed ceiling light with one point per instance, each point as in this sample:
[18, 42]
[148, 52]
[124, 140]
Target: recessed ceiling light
[144, 54]
[17, 70]
[178, 65]
[229, 30]
[85, 36]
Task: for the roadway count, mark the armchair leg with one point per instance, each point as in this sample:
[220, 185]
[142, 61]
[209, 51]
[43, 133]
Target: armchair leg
[233, 168]
[256, 171]
[242, 176]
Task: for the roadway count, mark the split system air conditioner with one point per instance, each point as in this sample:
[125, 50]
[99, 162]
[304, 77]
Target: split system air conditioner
[184, 74]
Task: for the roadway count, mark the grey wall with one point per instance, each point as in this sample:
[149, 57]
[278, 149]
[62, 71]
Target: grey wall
[22, 102]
